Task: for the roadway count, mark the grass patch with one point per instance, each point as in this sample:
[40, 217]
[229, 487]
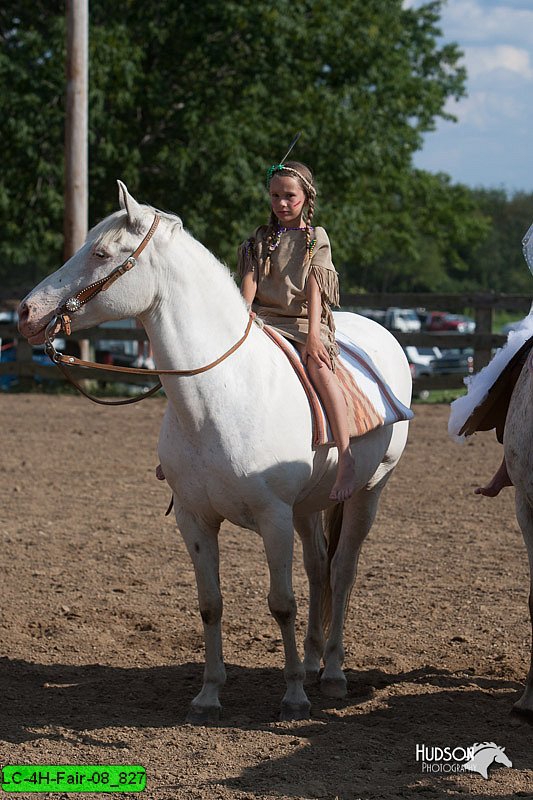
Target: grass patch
[439, 396]
[96, 388]
[501, 318]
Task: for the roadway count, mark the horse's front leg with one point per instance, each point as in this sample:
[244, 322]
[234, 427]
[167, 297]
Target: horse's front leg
[201, 540]
[276, 529]
[311, 532]
[346, 536]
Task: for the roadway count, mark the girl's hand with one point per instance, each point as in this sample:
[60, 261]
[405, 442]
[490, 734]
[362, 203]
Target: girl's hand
[315, 349]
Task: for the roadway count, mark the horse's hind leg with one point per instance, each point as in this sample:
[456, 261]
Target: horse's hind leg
[357, 518]
[311, 532]
[201, 540]
[524, 514]
[277, 531]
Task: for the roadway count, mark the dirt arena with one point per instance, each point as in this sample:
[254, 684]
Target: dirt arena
[101, 640]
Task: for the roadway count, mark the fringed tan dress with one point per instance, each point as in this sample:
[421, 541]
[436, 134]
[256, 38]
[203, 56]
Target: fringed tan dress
[282, 274]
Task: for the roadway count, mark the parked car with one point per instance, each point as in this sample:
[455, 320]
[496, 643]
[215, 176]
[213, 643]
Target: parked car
[8, 353]
[120, 352]
[421, 363]
[8, 318]
[395, 319]
[402, 319]
[423, 316]
[443, 321]
[455, 361]
[421, 359]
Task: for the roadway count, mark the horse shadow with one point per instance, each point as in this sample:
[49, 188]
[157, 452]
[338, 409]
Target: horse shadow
[372, 752]
[91, 696]
[349, 747]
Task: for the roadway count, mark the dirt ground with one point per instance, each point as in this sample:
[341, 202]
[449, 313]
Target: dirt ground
[101, 640]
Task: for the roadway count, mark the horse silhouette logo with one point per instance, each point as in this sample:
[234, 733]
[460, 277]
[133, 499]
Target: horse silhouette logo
[483, 755]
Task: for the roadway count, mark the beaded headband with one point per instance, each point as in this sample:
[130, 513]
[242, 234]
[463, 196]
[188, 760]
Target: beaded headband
[271, 171]
[282, 168]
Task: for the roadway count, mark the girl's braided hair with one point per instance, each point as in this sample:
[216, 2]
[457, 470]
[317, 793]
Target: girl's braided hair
[304, 176]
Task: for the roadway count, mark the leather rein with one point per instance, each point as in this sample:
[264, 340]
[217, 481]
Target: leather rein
[63, 313]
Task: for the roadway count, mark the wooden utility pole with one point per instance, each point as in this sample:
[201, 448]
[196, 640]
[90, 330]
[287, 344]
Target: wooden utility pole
[76, 126]
[76, 129]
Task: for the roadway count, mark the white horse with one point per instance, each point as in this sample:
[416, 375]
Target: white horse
[518, 449]
[236, 440]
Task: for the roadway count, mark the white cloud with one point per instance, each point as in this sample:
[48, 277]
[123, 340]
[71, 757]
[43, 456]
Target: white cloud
[472, 21]
[490, 145]
[482, 60]
[484, 109]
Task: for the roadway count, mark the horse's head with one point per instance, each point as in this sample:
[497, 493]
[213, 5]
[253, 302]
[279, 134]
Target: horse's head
[106, 252]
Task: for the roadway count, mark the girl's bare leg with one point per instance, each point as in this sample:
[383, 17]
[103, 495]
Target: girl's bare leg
[327, 386]
[497, 483]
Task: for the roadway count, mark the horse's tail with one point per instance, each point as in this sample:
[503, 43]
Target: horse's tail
[332, 529]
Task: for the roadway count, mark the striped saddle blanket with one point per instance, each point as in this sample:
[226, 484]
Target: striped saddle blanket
[369, 399]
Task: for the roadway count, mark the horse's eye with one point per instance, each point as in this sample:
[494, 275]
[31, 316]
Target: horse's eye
[100, 254]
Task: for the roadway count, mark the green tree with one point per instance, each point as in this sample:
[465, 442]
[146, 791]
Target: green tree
[32, 78]
[440, 224]
[497, 261]
[191, 101]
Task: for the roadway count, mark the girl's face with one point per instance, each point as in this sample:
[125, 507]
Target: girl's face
[287, 199]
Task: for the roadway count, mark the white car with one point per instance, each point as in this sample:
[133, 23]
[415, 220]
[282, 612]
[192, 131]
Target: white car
[405, 320]
[421, 361]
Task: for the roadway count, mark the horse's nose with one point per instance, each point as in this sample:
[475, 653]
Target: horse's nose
[24, 313]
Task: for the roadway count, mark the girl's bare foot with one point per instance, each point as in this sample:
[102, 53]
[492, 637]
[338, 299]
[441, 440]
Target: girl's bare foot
[500, 480]
[345, 480]
[159, 474]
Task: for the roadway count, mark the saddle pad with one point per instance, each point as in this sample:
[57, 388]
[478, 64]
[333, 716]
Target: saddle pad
[484, 407]
[369, 399]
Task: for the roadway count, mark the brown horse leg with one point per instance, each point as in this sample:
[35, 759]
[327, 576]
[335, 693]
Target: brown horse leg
[523, 708]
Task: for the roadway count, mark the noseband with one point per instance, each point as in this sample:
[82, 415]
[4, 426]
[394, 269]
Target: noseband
[62, 315]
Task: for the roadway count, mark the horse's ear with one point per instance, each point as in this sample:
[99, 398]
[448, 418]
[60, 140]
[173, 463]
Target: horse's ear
[128, 202]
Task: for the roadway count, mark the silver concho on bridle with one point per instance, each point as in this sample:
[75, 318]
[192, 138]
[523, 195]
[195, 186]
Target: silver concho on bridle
[73, 304]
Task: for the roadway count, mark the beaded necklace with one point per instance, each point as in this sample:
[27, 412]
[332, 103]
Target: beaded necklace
[281, 229]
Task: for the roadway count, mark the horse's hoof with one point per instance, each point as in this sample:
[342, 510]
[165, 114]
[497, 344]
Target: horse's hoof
[293, 711]
[204, 715]
[334, 687]
[521, 716]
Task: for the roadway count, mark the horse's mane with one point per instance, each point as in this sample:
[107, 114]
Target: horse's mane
[110, 229]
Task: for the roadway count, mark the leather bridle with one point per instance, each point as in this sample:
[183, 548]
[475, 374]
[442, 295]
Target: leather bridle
[63, 313]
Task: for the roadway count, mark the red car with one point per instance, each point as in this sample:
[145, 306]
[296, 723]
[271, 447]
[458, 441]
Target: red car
[443, 321]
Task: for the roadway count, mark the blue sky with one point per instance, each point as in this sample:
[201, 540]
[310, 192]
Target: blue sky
[491, 145]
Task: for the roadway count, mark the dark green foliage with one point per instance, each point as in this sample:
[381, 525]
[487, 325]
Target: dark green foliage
[190, 102]
[497, 261]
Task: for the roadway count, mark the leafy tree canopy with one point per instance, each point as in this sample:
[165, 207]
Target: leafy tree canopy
[190, 102]
[497, 260]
